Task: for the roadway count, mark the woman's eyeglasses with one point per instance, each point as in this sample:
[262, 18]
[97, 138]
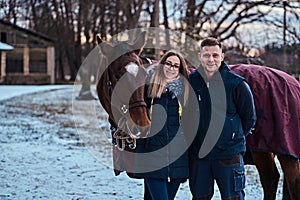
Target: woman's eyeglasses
[170, 65]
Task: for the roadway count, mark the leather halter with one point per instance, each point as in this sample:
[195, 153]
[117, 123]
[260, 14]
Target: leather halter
[110, 85]
[123, 138]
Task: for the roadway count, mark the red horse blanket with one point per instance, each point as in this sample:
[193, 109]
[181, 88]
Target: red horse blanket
[277, 101]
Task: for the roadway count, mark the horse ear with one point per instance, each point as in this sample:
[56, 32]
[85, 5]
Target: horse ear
[105, 47]
[99, 40]
[140, 42]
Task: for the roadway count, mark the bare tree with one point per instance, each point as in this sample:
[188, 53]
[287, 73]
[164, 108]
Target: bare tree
[287, 19]
[69, 20]
[88, 18]
[11, 10]
[221, 19]
[126, 16]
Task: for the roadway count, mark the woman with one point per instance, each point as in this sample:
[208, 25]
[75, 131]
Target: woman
[165, 161]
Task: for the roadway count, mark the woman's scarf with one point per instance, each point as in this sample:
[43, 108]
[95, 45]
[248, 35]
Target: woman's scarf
[175, 87]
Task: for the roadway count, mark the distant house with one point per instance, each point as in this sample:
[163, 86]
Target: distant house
[32, 59]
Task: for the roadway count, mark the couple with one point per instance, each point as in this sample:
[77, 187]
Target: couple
[168, 100]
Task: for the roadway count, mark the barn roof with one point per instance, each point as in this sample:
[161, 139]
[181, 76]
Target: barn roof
[40, 35]
[4, 46]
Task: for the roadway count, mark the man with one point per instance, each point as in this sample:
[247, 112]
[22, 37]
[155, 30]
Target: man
[227, 115]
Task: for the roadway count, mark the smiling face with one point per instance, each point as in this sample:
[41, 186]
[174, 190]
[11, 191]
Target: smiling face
[171, 68]
[211, 58]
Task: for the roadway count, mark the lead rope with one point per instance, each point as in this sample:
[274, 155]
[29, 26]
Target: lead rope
[122, 136]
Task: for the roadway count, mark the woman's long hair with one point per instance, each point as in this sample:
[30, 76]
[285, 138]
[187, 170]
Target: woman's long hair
[158, 79]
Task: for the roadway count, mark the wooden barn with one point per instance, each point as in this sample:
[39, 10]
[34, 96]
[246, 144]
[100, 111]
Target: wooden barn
[30, 61]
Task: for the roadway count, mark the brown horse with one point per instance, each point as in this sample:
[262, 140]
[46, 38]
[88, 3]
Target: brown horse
[120, 88]
[277, 131]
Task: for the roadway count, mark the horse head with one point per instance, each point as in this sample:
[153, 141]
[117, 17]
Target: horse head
[120, 86]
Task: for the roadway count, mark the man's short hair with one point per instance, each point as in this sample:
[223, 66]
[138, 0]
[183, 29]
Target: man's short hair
[210, 41]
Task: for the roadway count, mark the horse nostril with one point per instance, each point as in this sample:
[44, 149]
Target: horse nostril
[138, 134]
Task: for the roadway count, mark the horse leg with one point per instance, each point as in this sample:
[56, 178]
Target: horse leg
[285, 191]
[268, 173]
[291, 170]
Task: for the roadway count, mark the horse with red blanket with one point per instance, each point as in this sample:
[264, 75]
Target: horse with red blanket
[277, 131]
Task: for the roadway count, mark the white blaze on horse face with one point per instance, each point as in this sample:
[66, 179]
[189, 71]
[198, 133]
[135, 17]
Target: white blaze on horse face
[132, 68]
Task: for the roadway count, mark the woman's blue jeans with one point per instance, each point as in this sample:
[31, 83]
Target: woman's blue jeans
[161, 189]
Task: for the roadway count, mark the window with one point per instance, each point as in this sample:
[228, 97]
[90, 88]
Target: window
[14, 62]
[38, 61]
[3, 37]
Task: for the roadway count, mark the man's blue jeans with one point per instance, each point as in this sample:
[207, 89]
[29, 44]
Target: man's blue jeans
[229, 175]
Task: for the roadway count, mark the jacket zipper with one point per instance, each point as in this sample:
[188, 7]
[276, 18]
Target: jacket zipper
[168, 161]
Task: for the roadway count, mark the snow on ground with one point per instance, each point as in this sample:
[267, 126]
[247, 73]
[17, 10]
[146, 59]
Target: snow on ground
[45, 155]
[9, 91]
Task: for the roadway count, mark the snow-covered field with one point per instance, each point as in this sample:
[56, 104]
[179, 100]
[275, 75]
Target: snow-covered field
[45, 155]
